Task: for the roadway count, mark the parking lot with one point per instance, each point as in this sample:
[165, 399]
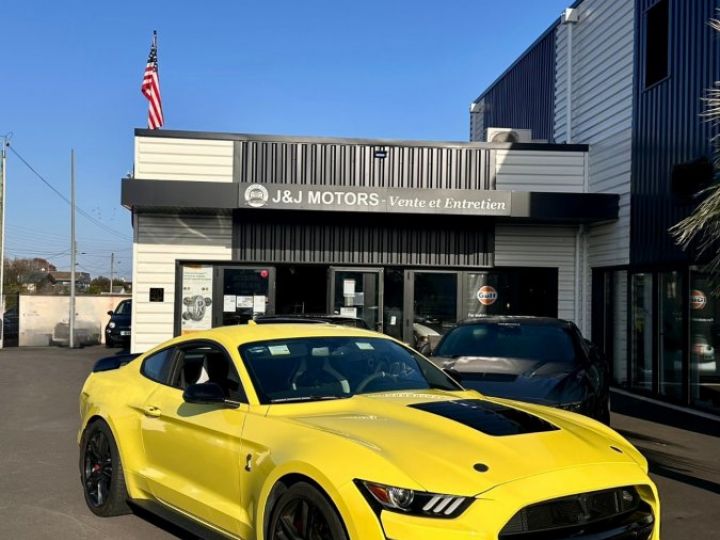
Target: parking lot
[40, 494]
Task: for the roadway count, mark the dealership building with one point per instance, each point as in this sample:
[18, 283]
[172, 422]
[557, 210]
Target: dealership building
[582, 154]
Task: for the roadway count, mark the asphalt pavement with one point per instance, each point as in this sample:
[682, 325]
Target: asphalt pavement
[41, 496]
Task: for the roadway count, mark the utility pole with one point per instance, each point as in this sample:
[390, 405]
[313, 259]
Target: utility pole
[112, 269]
[3, 159]
[73, 249]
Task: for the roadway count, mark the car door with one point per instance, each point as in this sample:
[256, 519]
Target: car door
[193, 450]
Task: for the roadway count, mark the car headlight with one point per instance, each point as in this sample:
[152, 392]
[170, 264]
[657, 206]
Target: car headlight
[111, 325]
[408, 501]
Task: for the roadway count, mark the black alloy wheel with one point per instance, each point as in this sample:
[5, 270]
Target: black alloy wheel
[101, 473]
[303, 513]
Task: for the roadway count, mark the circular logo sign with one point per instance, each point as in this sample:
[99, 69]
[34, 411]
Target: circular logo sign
[256, 195]
[697, 299]
[487, 295]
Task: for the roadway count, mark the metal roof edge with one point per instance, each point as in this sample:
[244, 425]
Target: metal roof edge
[523, 54]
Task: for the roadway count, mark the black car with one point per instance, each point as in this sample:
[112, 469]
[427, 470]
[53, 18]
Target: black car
[117, 331]
[535, 359]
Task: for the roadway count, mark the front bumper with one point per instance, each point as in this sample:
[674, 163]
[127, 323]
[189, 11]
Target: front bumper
[492, 510]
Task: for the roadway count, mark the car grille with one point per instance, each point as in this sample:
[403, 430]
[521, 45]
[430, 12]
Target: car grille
[609, 514]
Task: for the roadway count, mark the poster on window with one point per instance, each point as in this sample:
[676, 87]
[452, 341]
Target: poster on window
[196, 310]
[481, 295]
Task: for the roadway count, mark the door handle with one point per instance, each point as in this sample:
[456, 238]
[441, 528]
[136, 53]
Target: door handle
[152, 411]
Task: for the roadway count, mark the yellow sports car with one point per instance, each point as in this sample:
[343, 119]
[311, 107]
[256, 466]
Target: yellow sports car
[320, 432]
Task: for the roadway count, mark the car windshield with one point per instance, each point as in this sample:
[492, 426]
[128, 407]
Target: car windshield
[543, 343]
[308, 369]
[124, 308]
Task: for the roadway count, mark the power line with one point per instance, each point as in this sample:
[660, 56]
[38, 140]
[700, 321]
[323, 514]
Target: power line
[64, 198]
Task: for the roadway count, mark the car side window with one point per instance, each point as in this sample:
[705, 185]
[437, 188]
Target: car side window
[158, 366]
[207, 362]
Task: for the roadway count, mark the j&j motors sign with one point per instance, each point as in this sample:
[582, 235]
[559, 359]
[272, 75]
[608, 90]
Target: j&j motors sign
[391, 200]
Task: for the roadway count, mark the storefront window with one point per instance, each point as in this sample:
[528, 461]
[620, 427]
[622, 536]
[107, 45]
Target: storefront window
[642, 332]
[671, 329]
[704, 341]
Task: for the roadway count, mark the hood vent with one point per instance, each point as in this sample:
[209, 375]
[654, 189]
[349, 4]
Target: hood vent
[487, 417]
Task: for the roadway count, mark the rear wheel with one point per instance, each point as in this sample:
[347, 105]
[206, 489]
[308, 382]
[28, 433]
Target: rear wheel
[303, 513]
[101, 472]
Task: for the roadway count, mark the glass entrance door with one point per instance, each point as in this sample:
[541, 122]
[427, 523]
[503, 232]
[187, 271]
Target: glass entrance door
[357, 292]
[242, 293]
[432, 307]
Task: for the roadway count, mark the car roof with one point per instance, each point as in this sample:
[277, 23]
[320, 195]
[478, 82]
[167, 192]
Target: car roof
[250, 333]
[523, 319]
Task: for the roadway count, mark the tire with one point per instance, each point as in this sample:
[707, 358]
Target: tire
[302, 513]
[101, 472]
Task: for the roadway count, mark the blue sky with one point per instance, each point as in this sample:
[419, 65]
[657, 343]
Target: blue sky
[72, 71]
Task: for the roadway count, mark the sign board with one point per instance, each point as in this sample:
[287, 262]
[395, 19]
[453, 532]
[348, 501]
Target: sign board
[197, 283]
[375, 199]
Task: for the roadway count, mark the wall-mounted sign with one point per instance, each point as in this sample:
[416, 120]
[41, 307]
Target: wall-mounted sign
[698, 300]
[487, 295]
[375, 199]
[196, 298]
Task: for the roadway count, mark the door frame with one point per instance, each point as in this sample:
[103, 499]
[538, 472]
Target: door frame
[379, 271]
[409, 298]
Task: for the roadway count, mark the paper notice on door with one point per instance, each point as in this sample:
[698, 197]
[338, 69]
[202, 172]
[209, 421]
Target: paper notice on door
[259, 304]
[244, 302]
[348, 312]
[393, 320]
[348, 287]
[229, 303]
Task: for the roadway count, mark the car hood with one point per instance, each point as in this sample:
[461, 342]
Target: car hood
[439, 438]
[547, 383]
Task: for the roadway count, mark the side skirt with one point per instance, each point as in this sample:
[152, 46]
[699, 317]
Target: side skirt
[152, 510]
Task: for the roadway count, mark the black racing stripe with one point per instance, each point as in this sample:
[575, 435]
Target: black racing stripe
[489, 418]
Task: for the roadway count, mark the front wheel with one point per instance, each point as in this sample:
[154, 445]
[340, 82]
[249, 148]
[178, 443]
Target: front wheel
[303, 513]
[101, 472]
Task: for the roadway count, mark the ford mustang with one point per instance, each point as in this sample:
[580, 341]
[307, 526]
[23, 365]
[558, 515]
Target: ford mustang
[324, 432]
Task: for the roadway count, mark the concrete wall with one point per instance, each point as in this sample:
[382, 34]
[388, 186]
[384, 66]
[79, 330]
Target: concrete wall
[40, 315]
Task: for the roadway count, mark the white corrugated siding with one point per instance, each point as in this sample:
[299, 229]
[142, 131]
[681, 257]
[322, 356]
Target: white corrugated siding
[160, 240]
[602, 67]
[602, 101]
[529, 170]
[541, 246]
[161, 158]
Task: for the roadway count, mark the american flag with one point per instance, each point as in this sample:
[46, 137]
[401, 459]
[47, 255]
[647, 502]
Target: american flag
[151, 88]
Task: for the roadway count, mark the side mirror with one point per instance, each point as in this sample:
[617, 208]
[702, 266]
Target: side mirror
[110, 312]
[204, 393]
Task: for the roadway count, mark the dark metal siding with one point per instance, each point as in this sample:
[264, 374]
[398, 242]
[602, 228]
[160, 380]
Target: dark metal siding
[341, 164]
[524, 97]
[667, 124]
[359, 239]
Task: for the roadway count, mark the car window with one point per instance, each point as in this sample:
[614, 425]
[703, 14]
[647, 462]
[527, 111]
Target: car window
[326, 368]
[544, 343]
[158, 366]
[124, 308]
[200, 362]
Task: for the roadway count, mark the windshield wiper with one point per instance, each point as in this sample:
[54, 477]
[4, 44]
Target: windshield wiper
[310, 398]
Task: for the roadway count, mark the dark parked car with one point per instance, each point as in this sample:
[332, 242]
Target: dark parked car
[535, 359]
[117, 331]
[11, 328]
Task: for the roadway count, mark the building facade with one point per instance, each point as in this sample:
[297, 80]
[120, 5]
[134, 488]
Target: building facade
[626, 78]
[410, 236]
